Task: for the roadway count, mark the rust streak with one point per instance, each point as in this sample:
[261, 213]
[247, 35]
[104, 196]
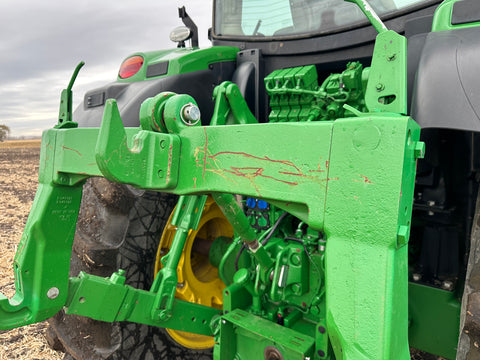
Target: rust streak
[156, 126]
[265, 158]
[221, 173]
[169, 162]
[366, 180]
[154, 122]
[257, 172]
[318, 169]
[294, 174]
[328, 179]
[67, 148]
[47, 157]
[205, 155]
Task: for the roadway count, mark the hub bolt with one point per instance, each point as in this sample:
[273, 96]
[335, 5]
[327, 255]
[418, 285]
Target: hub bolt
[190, 114]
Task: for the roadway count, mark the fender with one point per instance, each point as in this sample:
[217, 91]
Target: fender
[446, 94]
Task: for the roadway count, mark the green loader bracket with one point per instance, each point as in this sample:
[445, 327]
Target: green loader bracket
[355, 183]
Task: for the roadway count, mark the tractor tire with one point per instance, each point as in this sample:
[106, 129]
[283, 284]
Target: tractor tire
[119, 227]
[469, 340]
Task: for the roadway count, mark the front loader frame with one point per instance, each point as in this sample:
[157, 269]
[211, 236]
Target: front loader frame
[351, 179]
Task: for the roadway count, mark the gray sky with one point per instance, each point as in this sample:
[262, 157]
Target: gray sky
[41, 42]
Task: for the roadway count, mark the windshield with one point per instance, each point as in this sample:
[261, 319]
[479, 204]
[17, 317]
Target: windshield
[258, 18]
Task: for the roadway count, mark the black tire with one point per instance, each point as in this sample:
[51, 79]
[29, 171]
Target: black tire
[469, 340]
[118, 228]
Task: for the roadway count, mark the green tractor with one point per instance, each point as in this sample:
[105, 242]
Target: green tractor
[270, 197]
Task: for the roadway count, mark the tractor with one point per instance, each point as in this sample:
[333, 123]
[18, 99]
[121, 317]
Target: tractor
[306, 188]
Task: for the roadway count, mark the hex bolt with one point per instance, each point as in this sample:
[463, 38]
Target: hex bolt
[295, 259]
[190, 114]
[315, 310]
[447, 285]
[272, 353]
[63, 179]
[296, 288]
[53, 293]
[163, 315]
[380, 87]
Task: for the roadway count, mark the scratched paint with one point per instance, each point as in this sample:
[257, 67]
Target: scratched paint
[365, 179]
[76, 151]
[169, 168]
[255, 167]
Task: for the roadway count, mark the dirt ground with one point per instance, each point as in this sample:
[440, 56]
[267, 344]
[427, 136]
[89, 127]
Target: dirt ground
[18, 183]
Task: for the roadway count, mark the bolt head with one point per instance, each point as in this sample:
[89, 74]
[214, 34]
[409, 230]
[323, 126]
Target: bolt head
[190, 114]
[447, 285]
[53, 293]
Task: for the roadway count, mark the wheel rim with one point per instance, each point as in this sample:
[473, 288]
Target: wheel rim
[198, 280]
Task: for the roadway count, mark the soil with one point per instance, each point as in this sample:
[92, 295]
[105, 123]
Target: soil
[18, 183]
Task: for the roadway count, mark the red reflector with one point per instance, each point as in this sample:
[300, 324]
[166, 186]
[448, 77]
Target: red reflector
[130, 67]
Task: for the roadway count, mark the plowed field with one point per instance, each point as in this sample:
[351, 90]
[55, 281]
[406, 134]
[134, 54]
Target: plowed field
[18, 183]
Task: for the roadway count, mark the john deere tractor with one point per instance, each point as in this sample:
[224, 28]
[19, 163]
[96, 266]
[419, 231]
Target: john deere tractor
[270, 197]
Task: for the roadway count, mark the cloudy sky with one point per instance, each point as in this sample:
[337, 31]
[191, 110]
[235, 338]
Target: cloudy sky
[41, 42]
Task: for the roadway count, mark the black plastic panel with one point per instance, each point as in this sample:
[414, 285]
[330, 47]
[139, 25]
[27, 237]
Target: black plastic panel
[447, 91]
[249, 78]
[465, 12]
[157, 69]
[95, 99]
[129, 96]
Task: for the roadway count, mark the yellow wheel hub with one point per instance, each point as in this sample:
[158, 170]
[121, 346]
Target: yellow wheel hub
[198, 280]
